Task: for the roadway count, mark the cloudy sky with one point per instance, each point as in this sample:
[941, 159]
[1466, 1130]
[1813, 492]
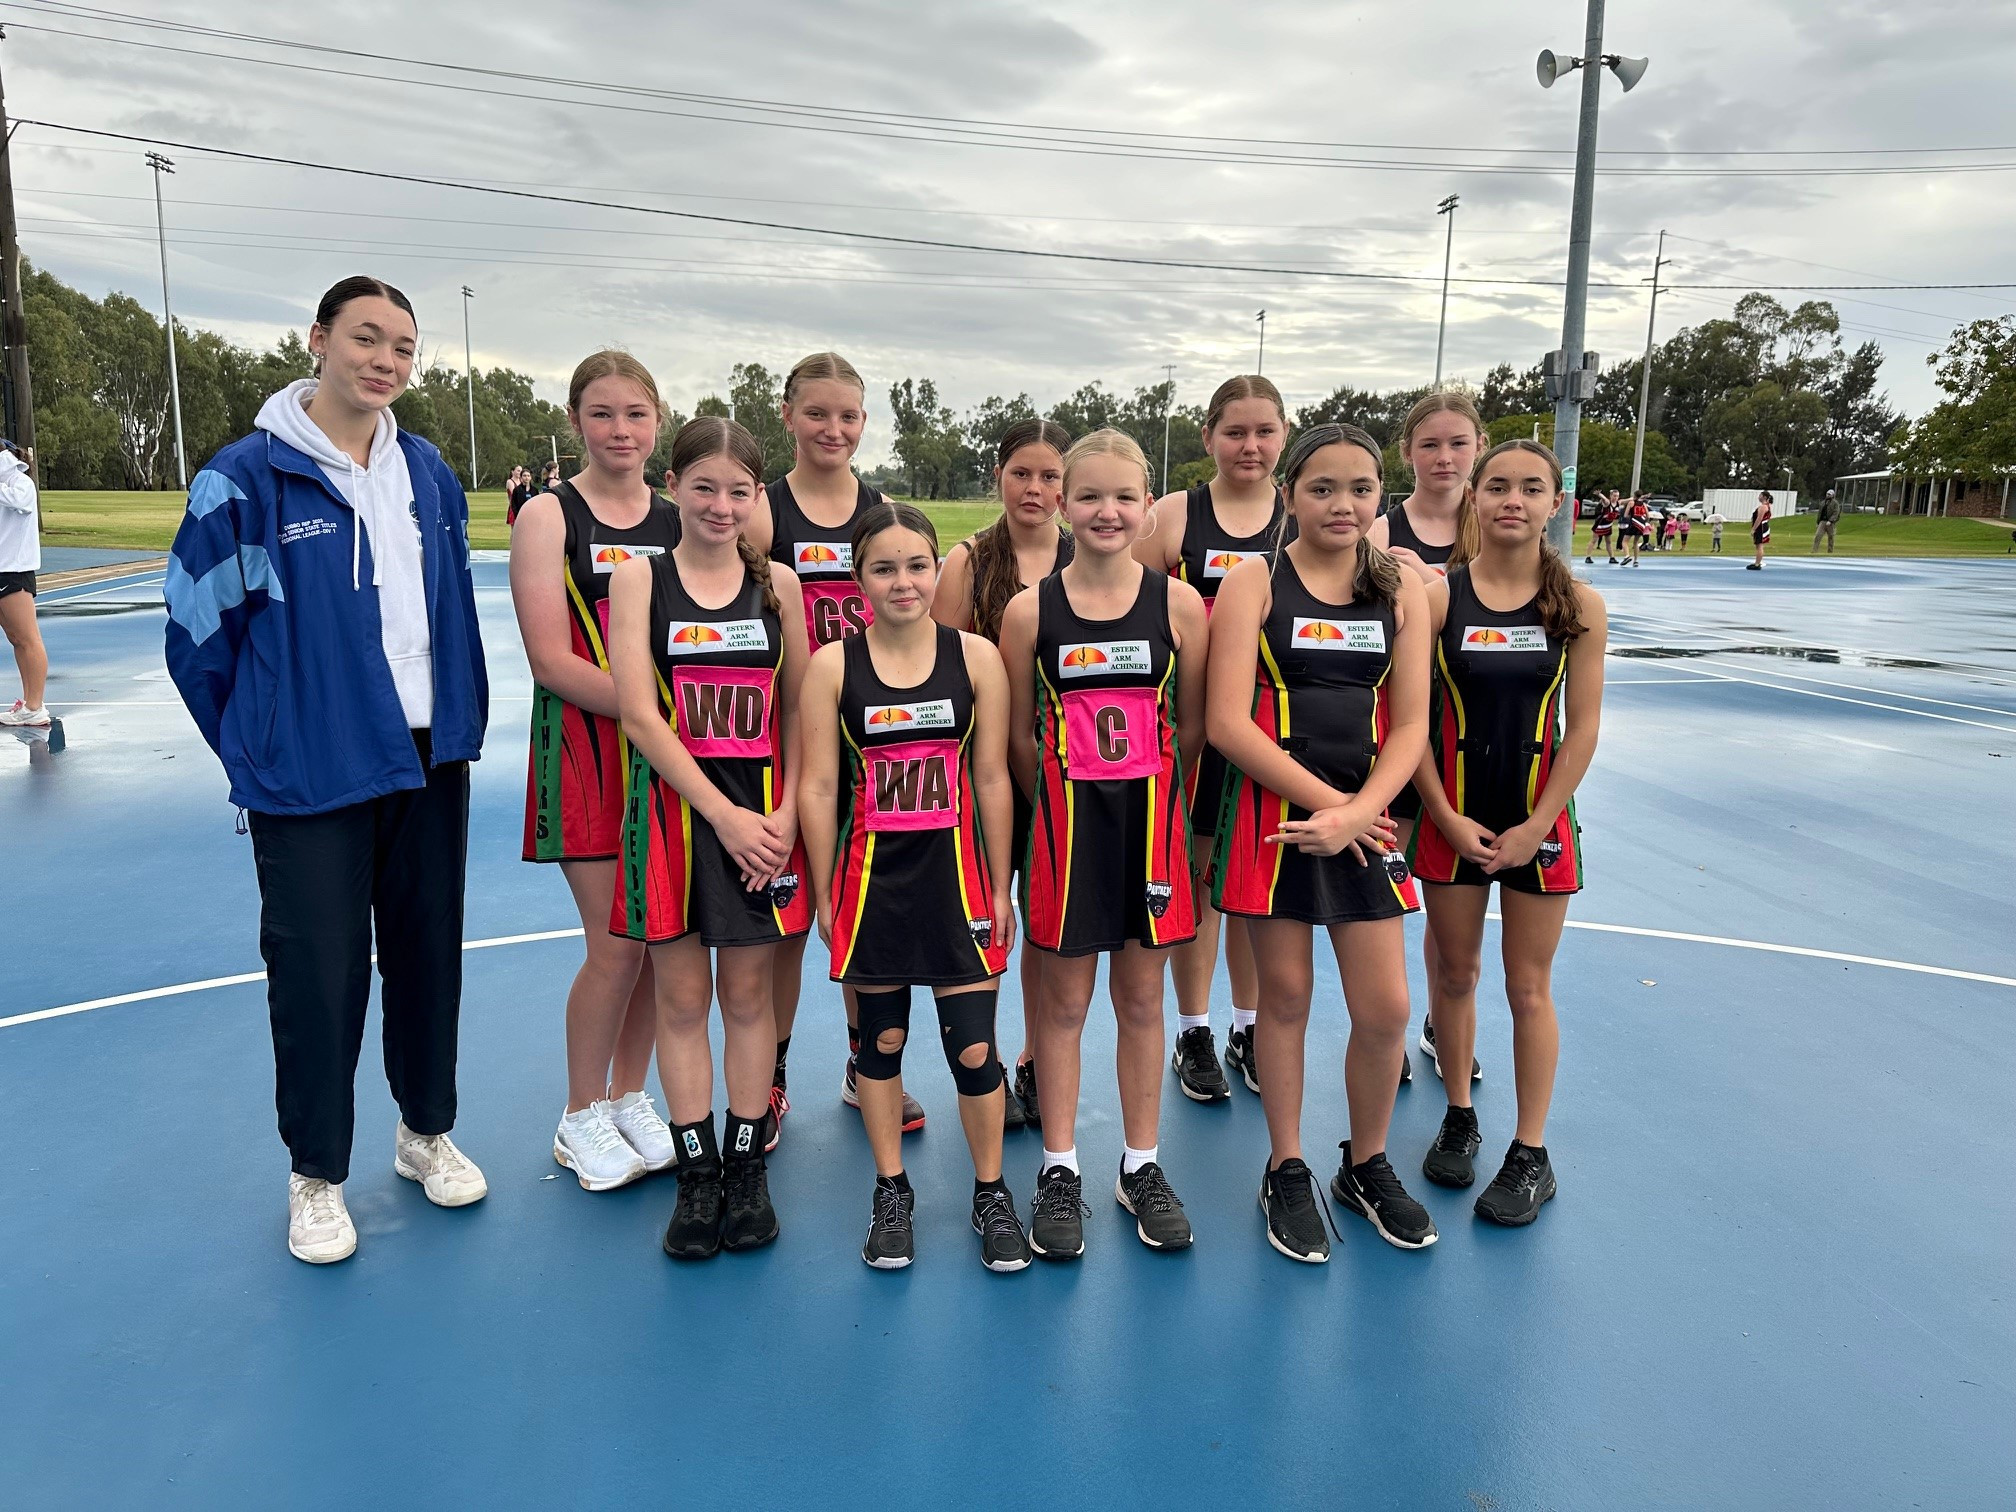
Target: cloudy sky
[635, 102]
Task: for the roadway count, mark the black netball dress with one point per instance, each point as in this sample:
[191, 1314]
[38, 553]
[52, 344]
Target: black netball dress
[1320, 694]
[823, 558]
[913, 899]
[717, 687]
[575, 778]
[1109, 842]
[1500, 676]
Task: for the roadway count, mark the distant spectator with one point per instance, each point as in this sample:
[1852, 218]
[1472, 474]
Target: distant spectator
[1686, 525]
[1672, 529]
[517, 489]
[1830, 516]
[20, 560]
[1760, 531]
[1715, 521]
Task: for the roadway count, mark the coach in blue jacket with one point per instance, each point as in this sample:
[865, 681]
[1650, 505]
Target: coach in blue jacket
[322, 631]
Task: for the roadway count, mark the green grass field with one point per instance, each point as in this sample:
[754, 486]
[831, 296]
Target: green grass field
[146, 522]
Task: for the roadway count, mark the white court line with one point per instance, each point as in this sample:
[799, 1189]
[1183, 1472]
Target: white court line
[1658, 634]
[78, 598]
[1863, 702]
[181, 988]
[1650, 682]
[1976, 670]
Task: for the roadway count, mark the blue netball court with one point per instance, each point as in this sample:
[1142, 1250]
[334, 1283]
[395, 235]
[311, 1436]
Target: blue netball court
[1778, 1275]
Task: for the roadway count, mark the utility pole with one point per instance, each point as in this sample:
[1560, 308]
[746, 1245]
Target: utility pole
[1260, 362]
[1573, 376]
[20, 401]
[1448, 208]
[469, 366]
[1645, 377]
[162, 165]
[1168, 403]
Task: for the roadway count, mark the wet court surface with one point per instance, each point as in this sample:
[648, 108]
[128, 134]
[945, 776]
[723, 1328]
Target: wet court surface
[1778, 1274]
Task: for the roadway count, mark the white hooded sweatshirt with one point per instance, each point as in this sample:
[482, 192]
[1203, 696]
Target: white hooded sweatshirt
[20, 542]
[382, 497]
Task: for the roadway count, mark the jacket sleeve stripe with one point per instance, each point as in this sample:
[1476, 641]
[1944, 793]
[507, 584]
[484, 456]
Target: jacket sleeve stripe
[210, 488]
[199, 604]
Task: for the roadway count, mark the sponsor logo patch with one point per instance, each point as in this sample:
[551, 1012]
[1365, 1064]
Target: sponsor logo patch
[825, 556]
[609, 558]
[1092, 658]
[696, 637]
[1505, 638]
[1224, 561]
[1339, 635]
[935, 715]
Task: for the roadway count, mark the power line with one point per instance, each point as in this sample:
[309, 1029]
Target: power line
[824, 120]
[920, 241]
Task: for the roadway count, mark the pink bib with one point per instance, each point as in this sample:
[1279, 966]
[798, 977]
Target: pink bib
[1111, 733]
[834, 610]
[913, 785]
[723, 711]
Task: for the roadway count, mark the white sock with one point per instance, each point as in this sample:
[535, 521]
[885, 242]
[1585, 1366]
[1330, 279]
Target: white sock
[1185, 1022]
[1131, 1159]
[1242, 1018]
[1065, 1158]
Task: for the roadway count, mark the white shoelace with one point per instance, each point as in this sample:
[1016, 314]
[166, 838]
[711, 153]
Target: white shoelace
[601, 1135]
[318, 1202]
[644, 1111]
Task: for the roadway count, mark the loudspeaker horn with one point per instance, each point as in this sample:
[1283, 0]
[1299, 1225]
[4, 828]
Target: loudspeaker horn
[1548, 68]
[1629, 70]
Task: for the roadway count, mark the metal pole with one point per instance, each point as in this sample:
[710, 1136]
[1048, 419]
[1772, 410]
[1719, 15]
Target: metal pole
[1168, 403]
[13, 323]
[1645, 378]
[1448, 208]
[1568, 409]
[554, 442]
[469, 366]
[1260, 362]
[162, 165]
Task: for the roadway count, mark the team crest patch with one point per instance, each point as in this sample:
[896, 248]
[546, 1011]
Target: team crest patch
[1548, 853]
[1094, 658]
[1396, 868]
[982, 931]
[783, 890]
[1339, 635]
[1159, 894]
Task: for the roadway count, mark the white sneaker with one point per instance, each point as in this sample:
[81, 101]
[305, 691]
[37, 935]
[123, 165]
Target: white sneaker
[636, 1119]
[319, 1229]
[449, 1177]
[588, 1145]
[21, 714]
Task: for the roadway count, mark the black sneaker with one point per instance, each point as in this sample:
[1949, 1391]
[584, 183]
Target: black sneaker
[1025, 1094]
[1427, 1043]
[1012, 1115]
[848, 1094]
[1195, 1063]
[1449, 1159]
[1002, 1245]
[890, 1244]
[751, 1221]
[913, 1114]
[1524, 1182]
[1406, 1067]
[1294, 1222]
[1371, 1190]
[1158, 1213]
[695, 1230]
[1057, 1216]
[1239, 1056]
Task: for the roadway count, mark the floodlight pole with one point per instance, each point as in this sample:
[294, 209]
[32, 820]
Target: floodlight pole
[469, 367]
[1645, 377]
[1448, 208]
[1168, 403]
[1260, 362]
[162, 165]
[1574, 315]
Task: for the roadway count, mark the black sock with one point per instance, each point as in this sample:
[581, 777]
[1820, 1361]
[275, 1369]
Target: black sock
[742, 1138]
[981, 1188]
[783, 1049]
[853, 1039]
[900, 1181]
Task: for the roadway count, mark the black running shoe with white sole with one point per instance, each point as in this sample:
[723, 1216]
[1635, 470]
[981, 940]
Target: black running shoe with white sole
[1003, 1246]
[1158, 1213]
[695, 1230]
[1427, 1043]
[1372, 1191]
[750, 1222]
[1013, 1116]
[1195, 1063]
[891, 1242]
[1522, 1184]
[1239, 1057]
[1450, 1160]
[1057, 1215]
[1025, 1093]
[1294, 1219]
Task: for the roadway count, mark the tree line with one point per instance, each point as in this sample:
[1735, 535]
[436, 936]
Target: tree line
[1734, 402]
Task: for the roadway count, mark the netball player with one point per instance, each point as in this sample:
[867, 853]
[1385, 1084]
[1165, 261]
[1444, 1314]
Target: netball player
[981, 575]
[1199, 536]
[1516, 636]
[1440, 440]
[1106, 670]
[564, 550]
[1334, 636]
[1760, 531]
[907, 723]
[806, 521]
[708, 646]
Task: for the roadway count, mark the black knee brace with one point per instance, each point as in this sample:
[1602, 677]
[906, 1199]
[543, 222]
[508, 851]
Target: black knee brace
[966, 1020]
[881, 1012]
